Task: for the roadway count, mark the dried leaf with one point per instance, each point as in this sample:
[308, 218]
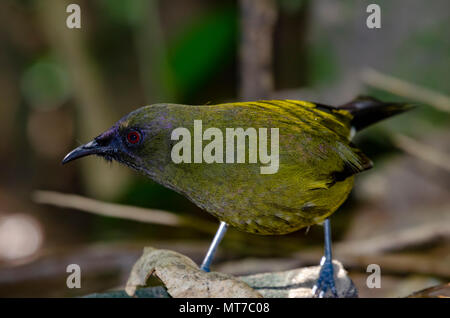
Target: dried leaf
[441, 291]
[183, 278]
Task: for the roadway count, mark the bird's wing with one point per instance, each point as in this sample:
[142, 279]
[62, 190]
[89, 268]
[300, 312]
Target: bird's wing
[353, 161]
[335, 163]
[310, 114]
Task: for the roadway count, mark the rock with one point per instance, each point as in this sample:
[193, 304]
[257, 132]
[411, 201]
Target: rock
[297, 283]
[149, 292]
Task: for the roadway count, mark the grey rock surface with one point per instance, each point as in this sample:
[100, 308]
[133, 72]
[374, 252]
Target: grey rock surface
[298, 283]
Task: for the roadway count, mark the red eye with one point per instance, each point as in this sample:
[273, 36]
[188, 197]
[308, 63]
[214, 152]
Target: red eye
[133, 137]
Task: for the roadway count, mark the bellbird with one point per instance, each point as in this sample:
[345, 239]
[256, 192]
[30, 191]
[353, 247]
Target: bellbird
[309, 172]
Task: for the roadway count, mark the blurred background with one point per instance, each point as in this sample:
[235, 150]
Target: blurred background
[60, 87]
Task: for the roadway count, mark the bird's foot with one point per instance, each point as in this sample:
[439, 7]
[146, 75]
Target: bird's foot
[325, 283]
[205, 268]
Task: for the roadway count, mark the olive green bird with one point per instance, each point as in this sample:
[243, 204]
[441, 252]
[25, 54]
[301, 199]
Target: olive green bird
[316, 162]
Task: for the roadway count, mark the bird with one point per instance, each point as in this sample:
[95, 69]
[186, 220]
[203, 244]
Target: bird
[311, 173]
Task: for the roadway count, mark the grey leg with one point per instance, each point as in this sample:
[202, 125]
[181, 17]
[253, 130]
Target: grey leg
[325, 281]
[213, 247]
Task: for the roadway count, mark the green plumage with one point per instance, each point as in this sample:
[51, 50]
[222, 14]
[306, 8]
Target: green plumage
[316, 162]
[315, 167]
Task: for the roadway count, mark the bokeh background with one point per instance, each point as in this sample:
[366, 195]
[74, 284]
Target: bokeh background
[60, 87]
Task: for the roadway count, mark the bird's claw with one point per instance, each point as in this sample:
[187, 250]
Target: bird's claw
[205, 268]
[325, 282]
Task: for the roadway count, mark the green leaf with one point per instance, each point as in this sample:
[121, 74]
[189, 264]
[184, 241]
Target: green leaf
[124, 11]
[45, 84]
[323, 64]
[208, 41]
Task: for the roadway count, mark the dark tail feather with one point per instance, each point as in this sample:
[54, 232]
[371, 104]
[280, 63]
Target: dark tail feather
[367, 111]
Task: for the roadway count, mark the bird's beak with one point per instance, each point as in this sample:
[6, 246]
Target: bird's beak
[91, 148]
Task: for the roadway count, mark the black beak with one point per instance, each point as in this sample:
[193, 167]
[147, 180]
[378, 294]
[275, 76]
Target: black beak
[91, 148]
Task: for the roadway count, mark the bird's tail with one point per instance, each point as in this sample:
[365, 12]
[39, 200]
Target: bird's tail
[367, 111]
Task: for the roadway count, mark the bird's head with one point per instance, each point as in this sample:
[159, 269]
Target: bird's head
[135, 141]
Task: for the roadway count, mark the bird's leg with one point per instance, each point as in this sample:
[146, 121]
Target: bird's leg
[325, 281]
[213, 247]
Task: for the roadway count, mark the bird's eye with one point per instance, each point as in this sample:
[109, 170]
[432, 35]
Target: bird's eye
[133, 137]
